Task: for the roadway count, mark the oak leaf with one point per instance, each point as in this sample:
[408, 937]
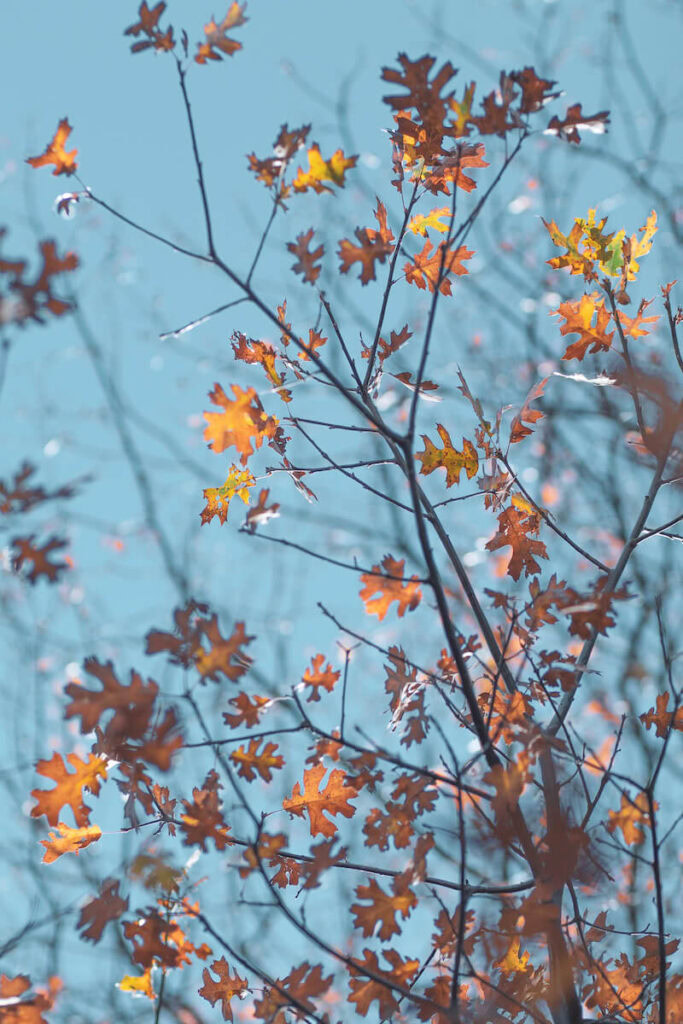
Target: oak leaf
[250, 761]
[632, 816]
[271, 169]
[149, 25]
[422, 221]
[248, 710]
[373, 245]
[426, 270]
[261, 513]
[366, 990]
[333, 799]
[448, 457]
[226, 988]
[237, 483]
[251, 350]
[512, 962]
[132, 705]
[55, 153]
[516, 529]
[316, 676]
[39, 557]
[203, 819]
[98, 912]
[69, 787]
[305, 258]
[302, 984]
[661, 718]
[217, 41]
[391, 587]
[225, 654]
[379, 917]
[568, 127]
[242, 423]
[69, 840]
[578, 317]
[138, 983]
[321, 171]
[519, 428]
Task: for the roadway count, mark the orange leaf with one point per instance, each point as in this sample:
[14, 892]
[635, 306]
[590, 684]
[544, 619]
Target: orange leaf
[514, 528]
[261, 513]
[305, 259]
[242, 423]
[149, 25]
[251, 761]
[225, 655]
[217, 41]
[448, 457]
[424, 269]
[69, 840]
[132, 705]
[249, 709]
[661, 718]
[365, 991]
[578, 317]
[98, 912]
[333, 799]
[238, 482]
[630, 817]
[383, 908]
[65, 163]
[518, 428]
[203, 819]
[224, 989]
[391, 588]
[69, 787]
[374, 245]
[316, 676]
[512, 963]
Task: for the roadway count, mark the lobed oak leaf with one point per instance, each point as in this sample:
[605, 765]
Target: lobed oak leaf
[321, 171]
[149, 25]
[366, 990]
[518, 428]
[323, 858]
[55, 153]
[450, 170]
[448, 457]
[225, 654]
[271, 169]
[69, 787]
[661, 718]
[379, 916]
[98, 912]
[242, 423]
[138, 984]
[20, 496]
[430, 271]
[69, 840]
[132, 705]
[203, 819]
[317, 677]
[373, 245]
[161, 941]
[261, 513]
[251, 350]
[226, 988]
[186, 638]
[391, 587]
[249, 710]
[38, 557]
[392, 824]
[305, 258]
[631, 818]
[423, 221]
[250, 761]
[425, 386]
[237, 483]
[387, 348]
[315, 341]
[512, 962]
[333, 799]
[217, 41]
[574, 120]
[302, 984]
[158, 746]
[407, 698]
[536, 92]
[634, 327]
[591, 611]
[514, 530]
[498, 117]
[578, 317]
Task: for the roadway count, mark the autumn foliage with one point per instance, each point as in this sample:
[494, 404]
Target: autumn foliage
[488, 856]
